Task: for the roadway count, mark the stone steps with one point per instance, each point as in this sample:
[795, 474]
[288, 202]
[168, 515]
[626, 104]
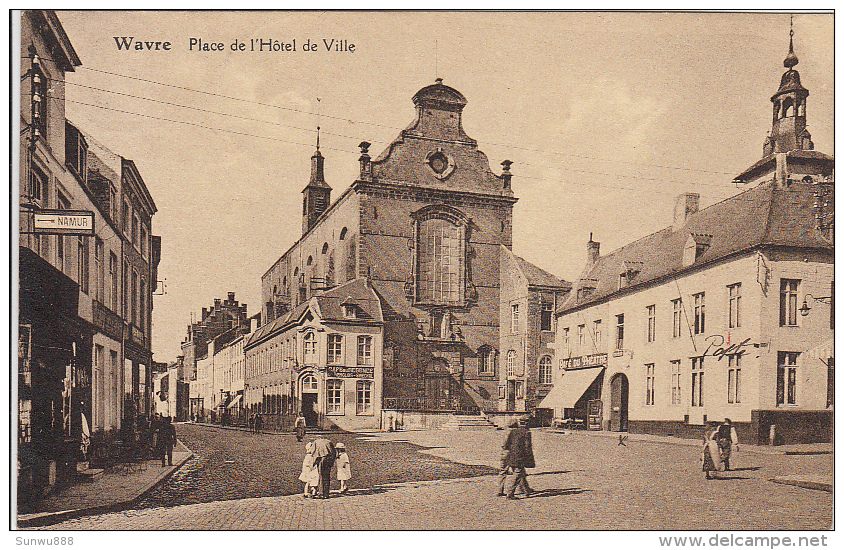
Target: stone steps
[467, 422]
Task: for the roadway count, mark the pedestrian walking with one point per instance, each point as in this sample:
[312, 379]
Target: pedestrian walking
[727, 438]
[519, 456]
[344, 467]
[325, 454]
[711, 453]
[309, 475]
[299, 426]
[165, 441]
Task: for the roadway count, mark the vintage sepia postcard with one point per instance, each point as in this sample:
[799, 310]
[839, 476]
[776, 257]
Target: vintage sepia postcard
[424, 270]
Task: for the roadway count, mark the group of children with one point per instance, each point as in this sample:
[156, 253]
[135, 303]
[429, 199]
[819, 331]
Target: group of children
[310, 471]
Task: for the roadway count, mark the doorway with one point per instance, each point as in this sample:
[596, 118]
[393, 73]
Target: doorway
[619, 393]
[511, 395]
[310, 400]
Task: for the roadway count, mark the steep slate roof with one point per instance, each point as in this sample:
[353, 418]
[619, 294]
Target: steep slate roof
[327, 306]
[759, 216]
[539, 277]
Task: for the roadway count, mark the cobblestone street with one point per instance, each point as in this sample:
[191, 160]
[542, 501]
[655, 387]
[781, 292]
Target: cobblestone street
[581, 482]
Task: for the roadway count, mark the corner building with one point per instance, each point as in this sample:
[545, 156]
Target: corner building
[424, 223]
[727, 313]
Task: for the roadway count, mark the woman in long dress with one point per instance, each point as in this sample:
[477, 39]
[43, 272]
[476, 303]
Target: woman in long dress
[711, 453]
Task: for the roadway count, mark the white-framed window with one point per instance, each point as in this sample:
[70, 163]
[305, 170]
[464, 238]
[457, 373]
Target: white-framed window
[335, 348]
[734, 378]
[734, 292]
[334, 393]
[514, 319]
[309, 383]
[788, 302]
[677, 319]
[511, 363]
[596, 330]
[649, 383]
[619, 332]
[82, 263]
[113, 274]
[364, 397]
[580, 336]
[566, 341]
[697, 381]
[787, 377]
[520, 389]
[309, 348]
[700, 312]
[545, 374]
[651, 323]
[676, 382]
[487, 361]
[365, 350]
[99, 270]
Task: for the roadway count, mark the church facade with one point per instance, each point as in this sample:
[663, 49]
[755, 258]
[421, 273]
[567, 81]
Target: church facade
[424, 224]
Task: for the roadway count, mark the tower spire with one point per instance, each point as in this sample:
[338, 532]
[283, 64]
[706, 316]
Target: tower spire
[317, 138]
[791, 59]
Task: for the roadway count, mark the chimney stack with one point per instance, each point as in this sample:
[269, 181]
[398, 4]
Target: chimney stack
[593, 250]
[231, 297]
[685, 205]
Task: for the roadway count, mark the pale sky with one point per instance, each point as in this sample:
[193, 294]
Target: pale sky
[607, 117]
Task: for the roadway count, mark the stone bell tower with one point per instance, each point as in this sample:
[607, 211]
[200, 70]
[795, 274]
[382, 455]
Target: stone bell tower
[317, 194]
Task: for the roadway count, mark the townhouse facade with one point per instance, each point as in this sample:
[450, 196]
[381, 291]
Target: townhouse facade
[323, 359]
[728, 313]
[75, 389]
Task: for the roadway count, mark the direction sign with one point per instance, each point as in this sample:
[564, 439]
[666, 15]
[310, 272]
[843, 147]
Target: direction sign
[64, 222]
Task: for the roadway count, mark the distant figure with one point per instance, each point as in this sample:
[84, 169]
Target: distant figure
[344, 467]
[166, 440]
[299, 426]
[250, 422]
[727, 437]
[259, 423]
[325, 454]
[519, 455]
[309, 475]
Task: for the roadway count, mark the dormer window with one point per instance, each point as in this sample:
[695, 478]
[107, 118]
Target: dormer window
[585, 288]
[696, 245]
[350, 311]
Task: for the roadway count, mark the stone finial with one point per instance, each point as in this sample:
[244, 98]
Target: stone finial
[505, 174]
[365, 164]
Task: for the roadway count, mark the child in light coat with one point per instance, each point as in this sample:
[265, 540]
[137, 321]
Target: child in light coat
[309, 475]
[344, 467]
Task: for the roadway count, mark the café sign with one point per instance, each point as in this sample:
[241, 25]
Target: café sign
[586, 361]
[351, 372]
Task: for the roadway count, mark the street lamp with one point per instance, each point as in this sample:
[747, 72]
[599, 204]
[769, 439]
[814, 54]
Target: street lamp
[805, 308]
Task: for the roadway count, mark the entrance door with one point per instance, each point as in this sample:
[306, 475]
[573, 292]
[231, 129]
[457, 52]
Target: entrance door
[619, 390]
[309, 401]
[511, 395]
[438, 391]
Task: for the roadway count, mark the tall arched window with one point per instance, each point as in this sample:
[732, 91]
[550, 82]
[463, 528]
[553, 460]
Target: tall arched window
[511, 363]
[545, 370]
[440, 259]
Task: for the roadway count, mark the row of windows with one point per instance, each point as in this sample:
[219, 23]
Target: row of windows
[545, 318]
[336, 397]
[282, 355]
[105, 291]
[789, 292]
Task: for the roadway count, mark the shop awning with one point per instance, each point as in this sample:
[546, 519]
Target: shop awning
[573, 385]
[234, 401]
[822, 351]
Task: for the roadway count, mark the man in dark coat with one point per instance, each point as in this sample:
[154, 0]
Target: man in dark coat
[166, 440]
[518, 456]
[324, 456]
